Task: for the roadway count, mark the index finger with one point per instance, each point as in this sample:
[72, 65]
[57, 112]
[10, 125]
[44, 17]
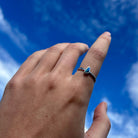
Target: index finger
[94, 59]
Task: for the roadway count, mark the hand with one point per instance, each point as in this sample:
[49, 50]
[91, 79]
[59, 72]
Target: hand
[44, 99]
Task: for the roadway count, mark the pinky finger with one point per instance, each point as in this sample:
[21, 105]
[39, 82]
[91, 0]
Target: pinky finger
[31, 62]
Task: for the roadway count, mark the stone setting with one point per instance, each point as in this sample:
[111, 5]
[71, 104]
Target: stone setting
[87, 70]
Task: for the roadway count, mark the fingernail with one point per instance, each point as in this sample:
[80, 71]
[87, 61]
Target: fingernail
[84, 45]
[107, 34]
[105, 106]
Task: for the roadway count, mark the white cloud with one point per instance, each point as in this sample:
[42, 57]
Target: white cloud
[107, 101]
[8, 67]
[123, 125]
[128, 129]
[19, 39]
[83, 20]
[132, 84]
[116, 117]
[131, 127]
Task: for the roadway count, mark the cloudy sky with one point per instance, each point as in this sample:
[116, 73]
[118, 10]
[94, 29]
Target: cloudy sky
[27, 26]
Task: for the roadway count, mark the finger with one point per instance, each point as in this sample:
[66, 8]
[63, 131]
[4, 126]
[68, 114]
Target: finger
[30, 63]
[94, 58]
[69, 58]
[50, 58]
[101, 124]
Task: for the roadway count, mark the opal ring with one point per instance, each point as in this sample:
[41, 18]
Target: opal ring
[87, 72]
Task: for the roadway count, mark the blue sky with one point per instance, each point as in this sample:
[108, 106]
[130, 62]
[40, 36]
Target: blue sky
[27, 26]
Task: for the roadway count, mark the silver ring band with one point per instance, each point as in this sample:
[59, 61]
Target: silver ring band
[87, 72]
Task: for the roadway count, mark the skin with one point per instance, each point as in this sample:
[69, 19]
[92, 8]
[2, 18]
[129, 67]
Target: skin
[44, 99]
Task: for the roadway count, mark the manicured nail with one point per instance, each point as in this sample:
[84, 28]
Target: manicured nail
[107, 34]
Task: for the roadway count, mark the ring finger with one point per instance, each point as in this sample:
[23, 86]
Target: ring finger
[50, 58]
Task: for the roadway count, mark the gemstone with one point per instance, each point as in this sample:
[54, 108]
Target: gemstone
[87, 70]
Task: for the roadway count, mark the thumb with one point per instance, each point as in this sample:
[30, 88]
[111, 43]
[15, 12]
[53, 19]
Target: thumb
[101, 123]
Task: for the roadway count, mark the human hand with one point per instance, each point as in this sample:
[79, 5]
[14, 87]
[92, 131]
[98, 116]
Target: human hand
[44, 99]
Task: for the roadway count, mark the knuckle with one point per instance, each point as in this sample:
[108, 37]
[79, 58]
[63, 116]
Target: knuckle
[76, 95]
[74, 46]
[98, 54]
[34, 55]
[31, 80]
[55, 49]
[52, 81]
[13, 83]
[77, 100]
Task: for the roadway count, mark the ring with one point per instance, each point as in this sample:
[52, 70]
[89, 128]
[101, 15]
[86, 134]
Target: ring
[87, 72]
